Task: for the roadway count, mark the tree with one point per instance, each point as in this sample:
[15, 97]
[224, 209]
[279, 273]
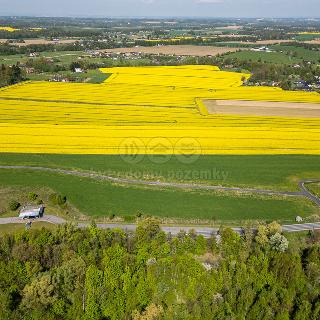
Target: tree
[279, 242]
[147, 229]
[40, 292]
[14, 205]
[94, 290]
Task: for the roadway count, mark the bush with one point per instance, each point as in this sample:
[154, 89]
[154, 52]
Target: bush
[14, 205]
[32, 196]
[57, 199]
[129, 218]
[278, 242]
[139, 214]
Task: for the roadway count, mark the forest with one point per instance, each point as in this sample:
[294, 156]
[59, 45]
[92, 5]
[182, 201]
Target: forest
[92, 274]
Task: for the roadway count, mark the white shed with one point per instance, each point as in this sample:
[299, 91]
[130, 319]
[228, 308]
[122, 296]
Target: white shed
[31, 212]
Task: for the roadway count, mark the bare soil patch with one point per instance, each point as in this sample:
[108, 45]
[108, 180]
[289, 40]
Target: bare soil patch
[263, 108]
[179, 50]
[314, 41]
[230, 28]
[28, 42]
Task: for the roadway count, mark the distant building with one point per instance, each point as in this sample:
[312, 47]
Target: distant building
[78, 70]
[29, 70]
[262, 49]
[31, 212]
[34, 54]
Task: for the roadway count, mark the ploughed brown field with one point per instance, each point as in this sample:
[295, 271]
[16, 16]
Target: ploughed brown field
[263, 108]
[179, 50]
[28, 42]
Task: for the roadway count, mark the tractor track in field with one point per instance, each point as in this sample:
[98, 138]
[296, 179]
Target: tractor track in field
[304, 192]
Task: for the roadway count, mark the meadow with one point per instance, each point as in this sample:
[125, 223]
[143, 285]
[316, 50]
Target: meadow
[159, 110]
[275, 172]
[102, 199]
[268, 57]
[282, 53]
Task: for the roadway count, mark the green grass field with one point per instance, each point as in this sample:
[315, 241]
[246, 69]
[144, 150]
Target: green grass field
[96, 198]
[315, 188]
[65, 57]
[306, 37]
[91, 76]
[300, 52]
[283, 54]
[277, 172]
[268, 57]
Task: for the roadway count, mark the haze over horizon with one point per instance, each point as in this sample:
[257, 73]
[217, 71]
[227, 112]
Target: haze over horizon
[163, 8]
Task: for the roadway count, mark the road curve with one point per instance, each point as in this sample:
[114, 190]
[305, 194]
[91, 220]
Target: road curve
[207, 232]
[304, 191]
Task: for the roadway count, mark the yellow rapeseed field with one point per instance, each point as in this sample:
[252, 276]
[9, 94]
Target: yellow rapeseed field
[310, 32]
[9, 29]
[150, 110]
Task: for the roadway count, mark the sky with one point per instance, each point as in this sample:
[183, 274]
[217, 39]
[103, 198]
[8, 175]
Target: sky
[162, 8]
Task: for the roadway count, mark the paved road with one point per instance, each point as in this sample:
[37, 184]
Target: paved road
[304, 191]
[45, 218]
[174, 230]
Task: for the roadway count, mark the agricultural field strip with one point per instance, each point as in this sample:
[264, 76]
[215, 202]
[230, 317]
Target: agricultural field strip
[13, 110]
[304, 191]
[148, 94]
[99, 176]
[96, 122]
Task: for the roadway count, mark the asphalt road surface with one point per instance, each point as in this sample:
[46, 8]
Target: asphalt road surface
[174, 230]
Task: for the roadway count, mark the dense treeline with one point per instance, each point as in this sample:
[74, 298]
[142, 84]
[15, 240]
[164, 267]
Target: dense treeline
[97, 274]
[10, 75]
[285, 75]
[92, 44]
[49, 33]
[7, 49]
[193, 41]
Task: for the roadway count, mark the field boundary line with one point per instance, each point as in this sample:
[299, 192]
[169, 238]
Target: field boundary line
[15, 85]
[201, 107]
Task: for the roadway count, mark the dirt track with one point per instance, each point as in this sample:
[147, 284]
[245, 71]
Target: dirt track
[263, 108]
